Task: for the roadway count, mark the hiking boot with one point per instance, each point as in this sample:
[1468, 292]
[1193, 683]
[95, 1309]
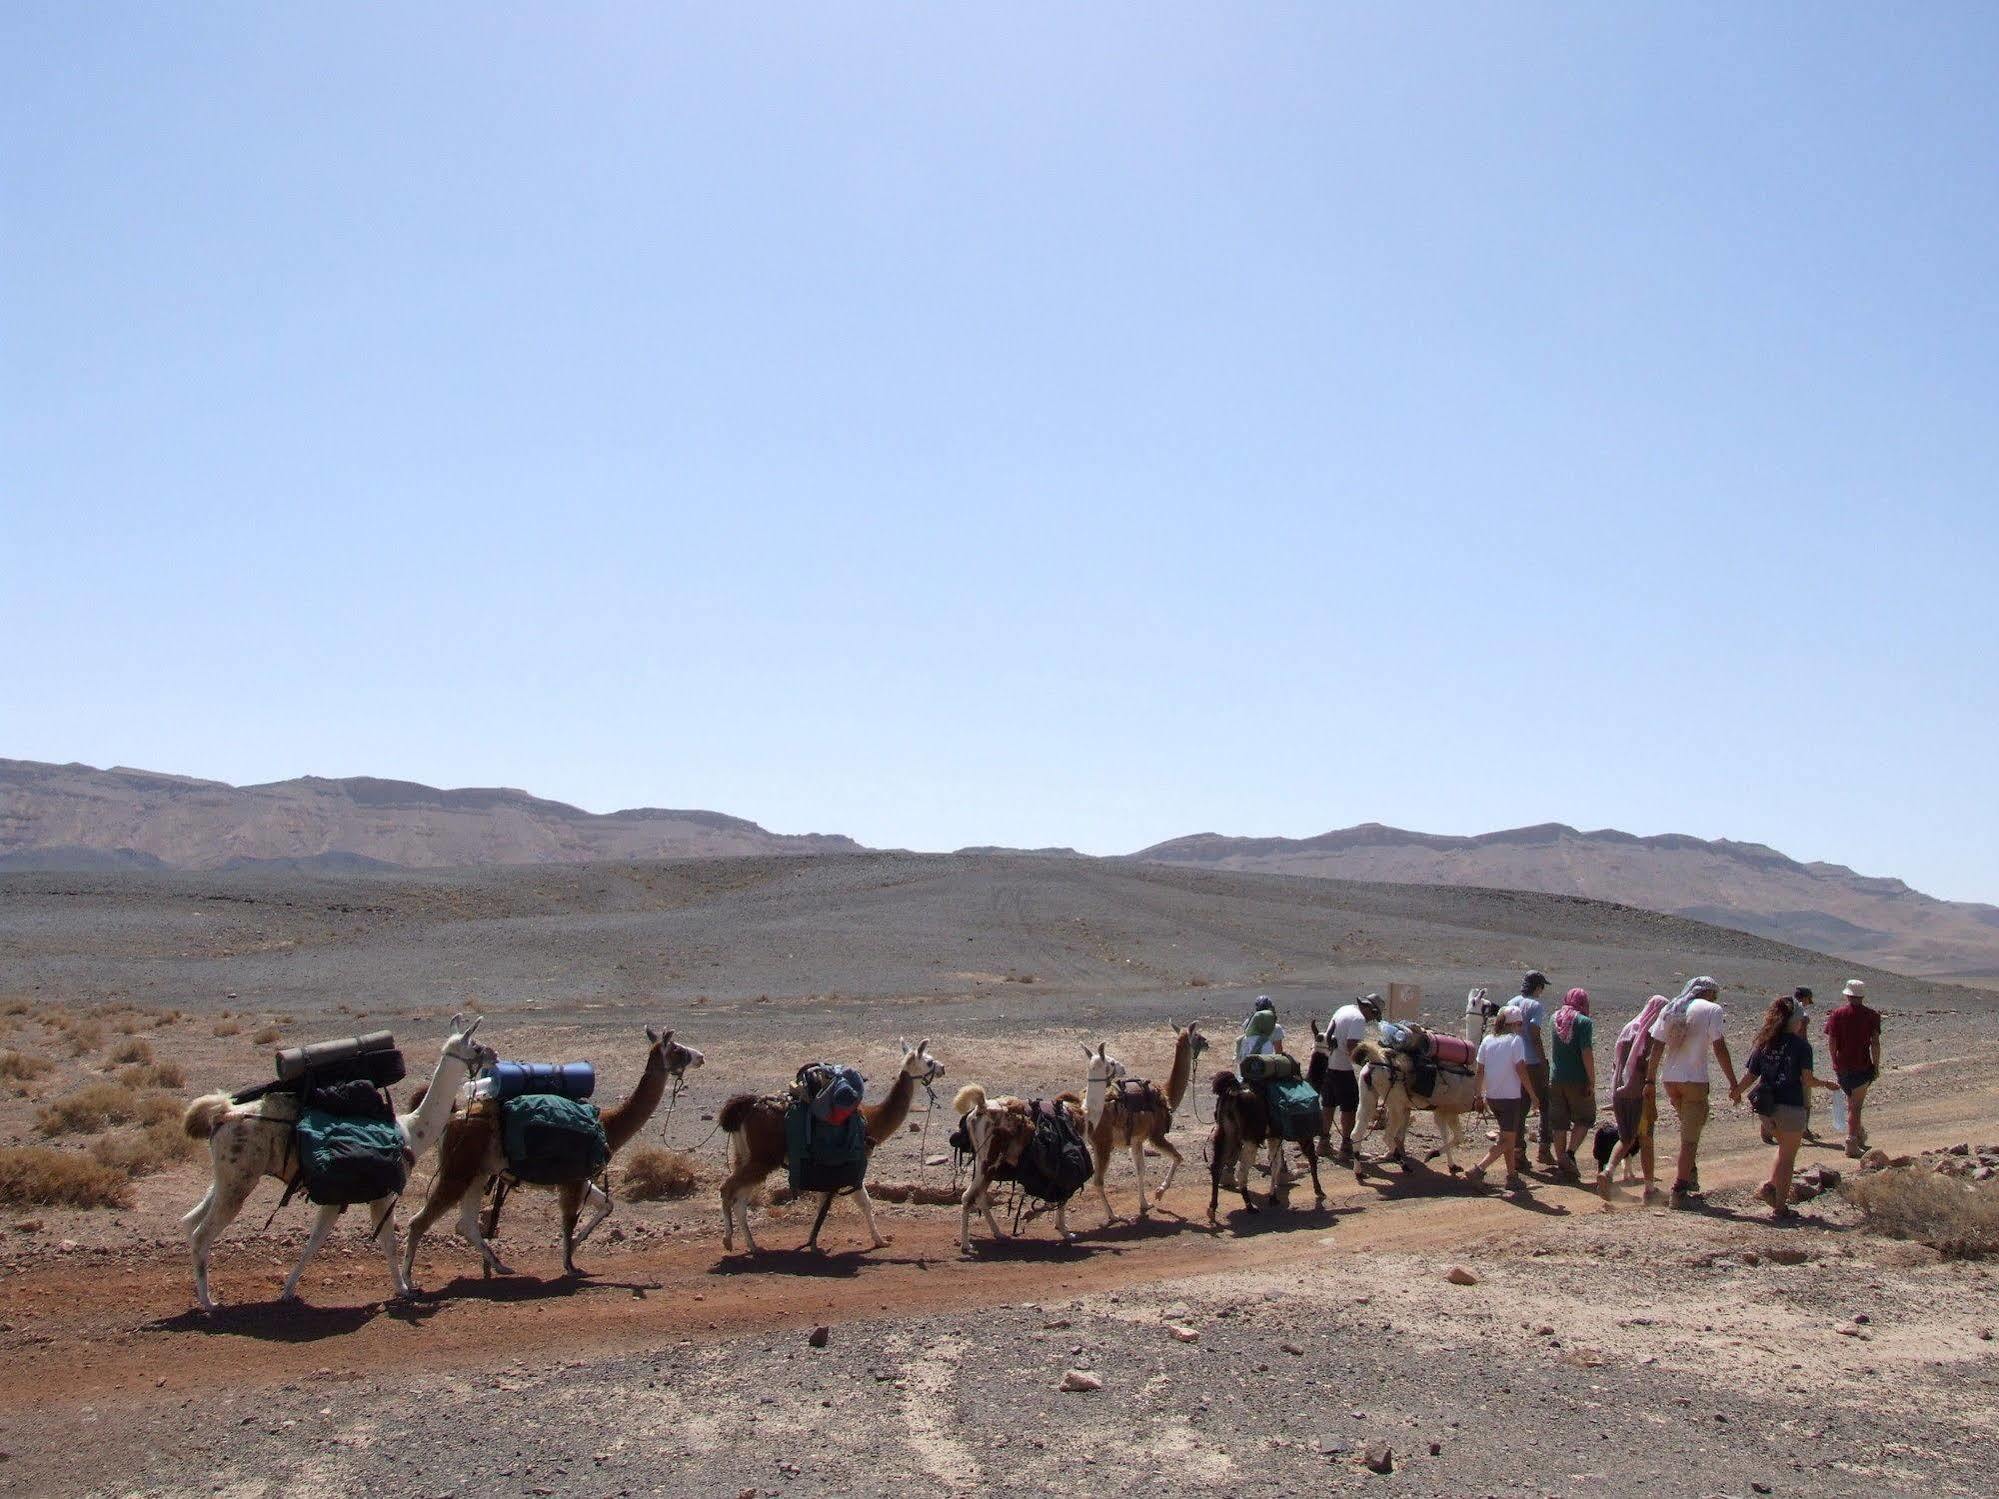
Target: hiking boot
[1568, 1170]
[1812, 1137]
[1682, 1194]
[1545, 1157]
[1516, 1184]
[1767, 1193]
[1854, 1149]
[1603, 1185]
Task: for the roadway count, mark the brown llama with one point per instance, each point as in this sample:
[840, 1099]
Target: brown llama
[1123, 1112]
[1000, 1129]
[1242, 1125]
[472, 1156]
[755, 1127]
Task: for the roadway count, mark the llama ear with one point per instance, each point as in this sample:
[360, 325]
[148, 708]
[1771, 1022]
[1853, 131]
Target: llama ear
[923, 1047]
[458, 1023]
[652, 1035]
[1103, 1048]
[477, 1021]
[1086, 1050]
[1173, 1026]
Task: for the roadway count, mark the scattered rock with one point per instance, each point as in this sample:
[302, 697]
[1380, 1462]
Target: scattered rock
[1436, 1449]
[820, 1336]
[1184, 1334]
[1055, 1324]
[1786, 1256]
[1457, 1275]
[1334, 1447]
[937, 1160]
[1874, 1160]
[1378, 1457]
[1078, 1382]
[1291, 1348]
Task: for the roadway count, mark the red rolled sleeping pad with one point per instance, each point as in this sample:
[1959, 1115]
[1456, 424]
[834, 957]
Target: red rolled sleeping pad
[1450, 1051]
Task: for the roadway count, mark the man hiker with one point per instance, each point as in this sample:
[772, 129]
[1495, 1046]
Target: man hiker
[1346, 1030]
[1261, 1034]
[1532, 1012]
[1688, 1029]
[1853, 1031]
[1571, 1096]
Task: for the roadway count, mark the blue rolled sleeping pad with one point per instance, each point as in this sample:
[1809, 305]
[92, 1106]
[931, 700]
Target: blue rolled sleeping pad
[565, 1079]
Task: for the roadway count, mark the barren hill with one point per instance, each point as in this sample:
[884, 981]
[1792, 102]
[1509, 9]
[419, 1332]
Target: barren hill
[79, 817]
[1743, 885]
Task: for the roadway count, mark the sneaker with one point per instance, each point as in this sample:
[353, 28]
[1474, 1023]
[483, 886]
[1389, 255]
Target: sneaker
[1603, 1185]
[1812, 1137]
[1476, 1176]
[1545, 1157]
[1516, 1184]
[1767, 1193]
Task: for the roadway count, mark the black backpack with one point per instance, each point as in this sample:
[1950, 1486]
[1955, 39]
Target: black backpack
[1776, 1070]
[1055, 1163]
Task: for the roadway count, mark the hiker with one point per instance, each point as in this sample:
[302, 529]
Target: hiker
[1634, 1099]
[1346, 1030]
[1505, 1084]
[1803, 995]
[1689, 1028]
[1528, 1003]
[1261, 1034]
[1571, 1097]
[1780, 1066]
[1853, 1035]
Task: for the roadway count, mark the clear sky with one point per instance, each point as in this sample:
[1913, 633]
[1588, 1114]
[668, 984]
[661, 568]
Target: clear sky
[1050, 424]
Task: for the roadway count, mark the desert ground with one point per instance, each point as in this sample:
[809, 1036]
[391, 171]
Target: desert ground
[1600, 1348]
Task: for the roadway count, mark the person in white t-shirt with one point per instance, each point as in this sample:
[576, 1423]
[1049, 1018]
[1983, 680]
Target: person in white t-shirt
[1338, 1083]
[1505, 1085]
[1687, 1031]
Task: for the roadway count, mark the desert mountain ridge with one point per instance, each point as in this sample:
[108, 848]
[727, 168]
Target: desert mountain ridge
[1749, 886]
[77, 816]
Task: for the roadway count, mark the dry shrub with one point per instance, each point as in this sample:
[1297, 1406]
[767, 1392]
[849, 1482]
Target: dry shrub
[930, 1194]
[226, 1028]
[1953, 1216]
[85, 1036]
[165, 1018]
[15, 1006]
[268, 1036]
[153, 1075]
[134, 1050]
[652, 1173]
[142, 1152]
[95, 1106]
[21, 1067]
[40, 1176]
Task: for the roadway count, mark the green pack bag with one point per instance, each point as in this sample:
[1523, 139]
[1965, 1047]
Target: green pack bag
[344, 1159]
[821, 1156]
[548, 1139]
[1296, 1112]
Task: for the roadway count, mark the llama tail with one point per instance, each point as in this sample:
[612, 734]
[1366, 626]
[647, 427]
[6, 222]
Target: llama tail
[736, 1112]
[204, 1115]
[971, 1098]
[1225, 1083]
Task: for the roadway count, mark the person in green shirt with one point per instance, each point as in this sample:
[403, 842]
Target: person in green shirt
[1571, 1080]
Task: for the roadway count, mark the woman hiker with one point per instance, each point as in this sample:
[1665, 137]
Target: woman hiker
[1505, 1084]
[1634, 1099]
[1780, 1067]
[1261, 1034]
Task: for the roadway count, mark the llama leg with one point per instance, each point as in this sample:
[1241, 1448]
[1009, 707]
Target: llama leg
[986, 1206]
[599, 1201]
[1172, 1165]
[1214, 1177]
[434, 1207]
[819, 1220]
[320, 1228]
[382, 1222]
[1138, 1165]
[1099, 1169]
[226, 1197]
[868, 1215]
[570, 1198]
[965, 1210]
[1062, 1223]
[472, 1232]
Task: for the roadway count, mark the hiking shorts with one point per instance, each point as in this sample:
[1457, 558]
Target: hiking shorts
[1788, 1118]
[1570, 1106]
[1343, 1089]
[1508, 1113]
[1690, 1102]
[1851, 1083]
[1633, 1113]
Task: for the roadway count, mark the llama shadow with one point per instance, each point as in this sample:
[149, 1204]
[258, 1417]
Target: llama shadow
[272, 1321]
[1242, 1224]
[1160, 1223]
[507, 1290]
[1029, 1248]
[824, 1263]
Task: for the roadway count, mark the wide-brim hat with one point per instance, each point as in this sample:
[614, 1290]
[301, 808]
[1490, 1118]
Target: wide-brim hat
[1854, 989]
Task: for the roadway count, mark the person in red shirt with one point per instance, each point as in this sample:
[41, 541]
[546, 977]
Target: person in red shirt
[1853, 1031]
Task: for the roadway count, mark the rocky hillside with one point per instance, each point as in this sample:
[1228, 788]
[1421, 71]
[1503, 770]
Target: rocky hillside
[78, 817]
[1744, 885]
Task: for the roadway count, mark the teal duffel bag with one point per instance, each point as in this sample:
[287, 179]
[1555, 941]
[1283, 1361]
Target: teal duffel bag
[548, 1139]
[344, 1159]
[1296, 1112]
[821, 1156]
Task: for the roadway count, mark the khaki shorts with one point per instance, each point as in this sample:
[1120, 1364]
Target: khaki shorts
[1689, 1101]
[1788, 1118]
[1570, 1105]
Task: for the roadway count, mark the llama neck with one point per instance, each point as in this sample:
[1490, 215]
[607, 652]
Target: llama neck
[1183, 1071]
[886, 1117]
[422, 1127]
[629, 1117]
[1096, 1093]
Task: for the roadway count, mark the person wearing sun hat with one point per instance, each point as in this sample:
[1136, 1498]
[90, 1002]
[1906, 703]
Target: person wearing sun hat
[1853, 1032]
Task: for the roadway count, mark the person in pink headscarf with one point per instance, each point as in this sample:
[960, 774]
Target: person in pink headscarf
[1634, 1100]
[1571, 1081]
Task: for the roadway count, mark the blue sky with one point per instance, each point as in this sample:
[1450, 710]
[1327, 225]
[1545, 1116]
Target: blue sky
[1056, 424]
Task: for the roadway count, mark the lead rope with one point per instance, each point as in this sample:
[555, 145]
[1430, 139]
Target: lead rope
[672, 1101]
[923, 1143]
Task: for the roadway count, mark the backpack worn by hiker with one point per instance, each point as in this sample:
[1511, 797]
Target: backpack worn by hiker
[1055, 1163]
[1776, 1070]
[825, 1133]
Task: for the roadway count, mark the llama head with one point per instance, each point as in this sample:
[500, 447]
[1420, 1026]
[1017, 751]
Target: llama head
[460, 1047]
[1321, 1046]
[1104, 1068]
[678, 1059]
[1196, 1042]
[918, 1063]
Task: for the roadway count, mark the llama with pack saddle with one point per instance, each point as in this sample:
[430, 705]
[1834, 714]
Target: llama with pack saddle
[474, 1159]
[1128, 1113]
[252, 1140]
[1264, 1112]
[759, 1133]
[1040, 1145]
[1428, 1070]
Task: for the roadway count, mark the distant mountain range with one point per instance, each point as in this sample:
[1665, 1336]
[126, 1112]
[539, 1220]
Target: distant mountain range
[1747, 886]
[75, 817]
[78, 817]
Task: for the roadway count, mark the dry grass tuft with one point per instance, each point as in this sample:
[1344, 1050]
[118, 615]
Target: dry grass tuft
[159, 1145]
[653, 1173]
[226, 1028]
[23, 1067]
[16, 1006]
[96, 1106]
[270, 1035]
[135, 1050]
[85, 1036]
[928, 1194]
[40, 1176]
[1953, 1216]
[153, 1075]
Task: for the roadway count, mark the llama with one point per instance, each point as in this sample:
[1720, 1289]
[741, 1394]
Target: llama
[999, 1129]
[247, 1142]
[1387, 1086]
[1134, 1114]
[472, 1155]
[1242, 1123]
[755, 1127]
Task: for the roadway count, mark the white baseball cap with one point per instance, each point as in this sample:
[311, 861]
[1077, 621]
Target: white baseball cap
[1854, 989]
